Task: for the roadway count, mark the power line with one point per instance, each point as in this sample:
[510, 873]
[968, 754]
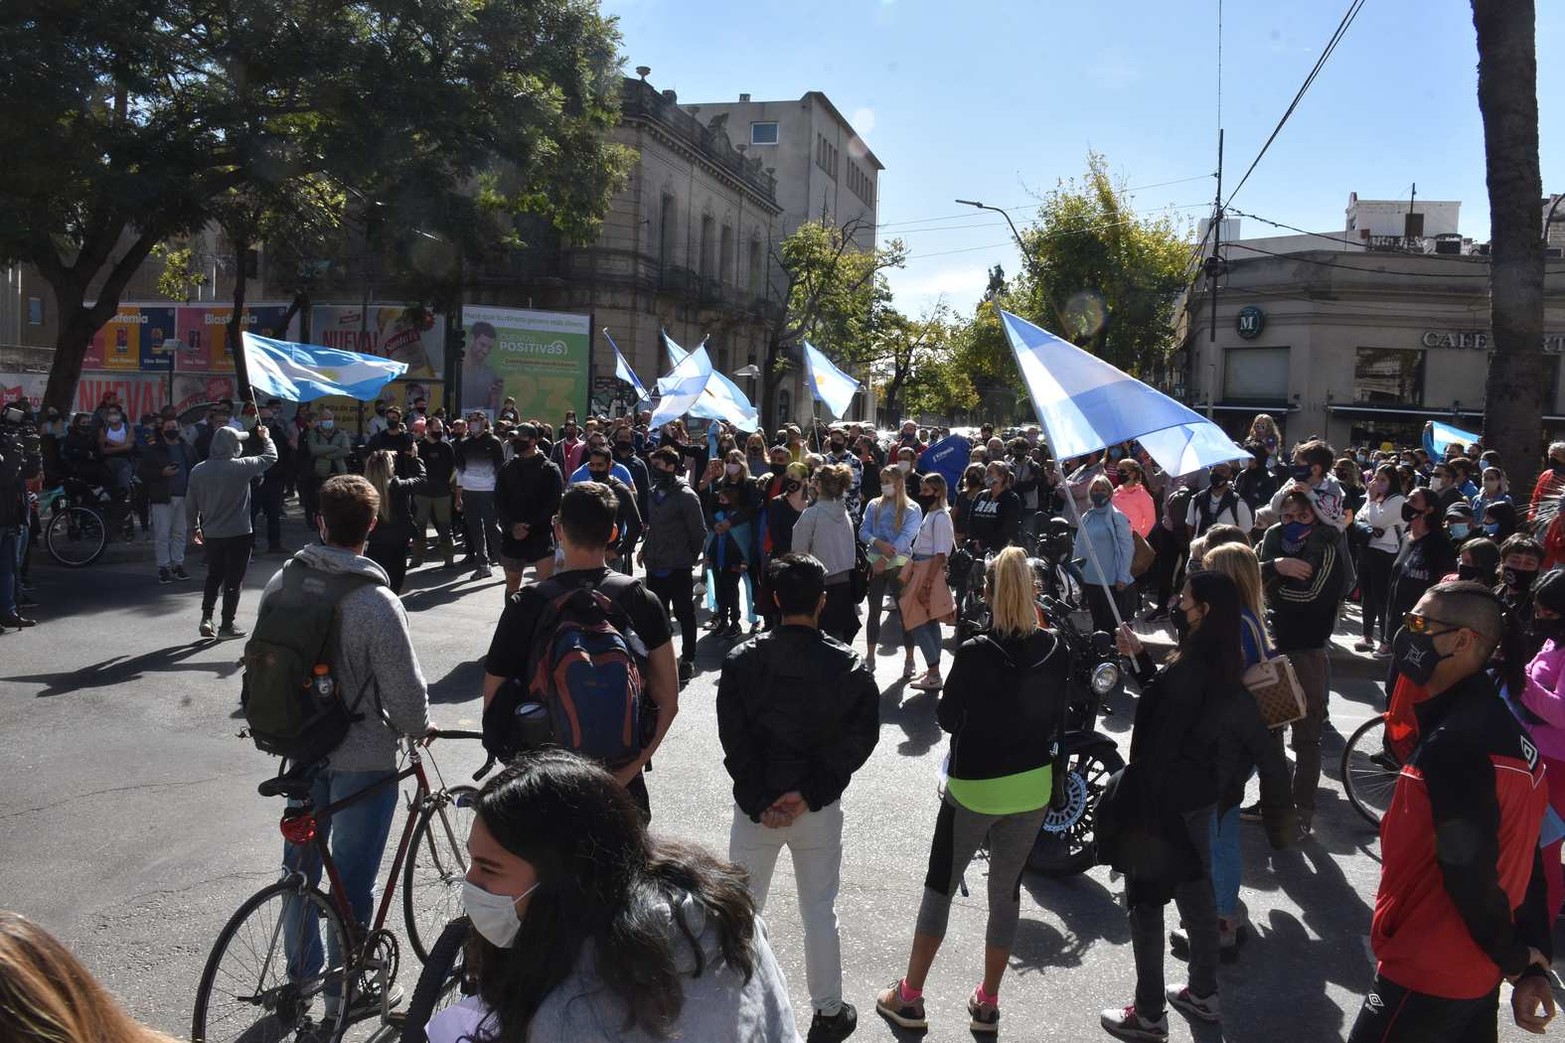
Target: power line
[1342, 27]
[1381, 271]
[1296, 228]
[1032, 205]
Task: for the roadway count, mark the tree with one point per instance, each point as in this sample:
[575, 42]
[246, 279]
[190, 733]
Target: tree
[899, 346]
[130, 121]
[832, 294]
[1508, 100]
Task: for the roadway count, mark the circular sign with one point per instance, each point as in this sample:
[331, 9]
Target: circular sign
[1251, 322]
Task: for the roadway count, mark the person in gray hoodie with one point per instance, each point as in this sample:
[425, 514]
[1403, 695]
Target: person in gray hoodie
[586, 929]
[673, 541]
[375, 667]
[217, 505]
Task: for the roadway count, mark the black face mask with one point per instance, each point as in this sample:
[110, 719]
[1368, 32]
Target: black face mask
[1409, 512]
[1552, 629]
[1181, 621]
[622, 448]
[663, 477]
[1518, 579]
[1468, 572]
[1301, 472]
[170, 436]
[836, 447]
[1416, 656]
[598, 476]
[1219, 481]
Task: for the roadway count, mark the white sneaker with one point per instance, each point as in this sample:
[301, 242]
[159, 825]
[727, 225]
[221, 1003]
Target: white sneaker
[1125, 1023]
[1204, 1008]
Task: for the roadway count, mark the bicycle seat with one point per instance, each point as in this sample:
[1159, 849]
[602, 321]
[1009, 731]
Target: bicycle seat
[285, 786]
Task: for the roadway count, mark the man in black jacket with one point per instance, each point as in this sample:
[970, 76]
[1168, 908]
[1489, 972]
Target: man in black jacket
[798, 713]
[165, 470]
[434, 503]
[628, 521]
[527, 493]
[267, 491]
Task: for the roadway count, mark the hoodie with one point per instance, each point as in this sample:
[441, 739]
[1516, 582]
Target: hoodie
[719, 1004]
[374, 656]
[217, 500]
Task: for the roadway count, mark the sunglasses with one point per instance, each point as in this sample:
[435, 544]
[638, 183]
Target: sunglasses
[1418, 624]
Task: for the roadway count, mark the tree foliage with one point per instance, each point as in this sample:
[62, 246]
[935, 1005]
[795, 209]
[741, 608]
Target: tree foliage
[130, 121]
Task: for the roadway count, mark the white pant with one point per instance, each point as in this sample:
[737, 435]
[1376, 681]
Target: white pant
[168, 531]
[815, 841]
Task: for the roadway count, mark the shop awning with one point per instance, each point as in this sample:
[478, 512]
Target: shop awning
[1250, 407]
[1417, 412]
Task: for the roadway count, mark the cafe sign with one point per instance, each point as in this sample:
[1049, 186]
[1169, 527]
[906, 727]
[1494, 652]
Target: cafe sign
[1482, 340]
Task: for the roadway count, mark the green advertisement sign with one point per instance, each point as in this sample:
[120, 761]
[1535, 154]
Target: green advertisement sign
[542, 359]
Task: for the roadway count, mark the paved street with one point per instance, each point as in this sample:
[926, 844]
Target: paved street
[133, 829]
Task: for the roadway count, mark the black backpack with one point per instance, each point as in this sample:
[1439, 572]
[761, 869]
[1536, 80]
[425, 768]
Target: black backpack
[286, 713]
[1227, 505]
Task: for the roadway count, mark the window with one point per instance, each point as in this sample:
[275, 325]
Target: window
[666, 233]
[753, 284]
[826, 156]
[726, 256]
[1255, 375]
[861, 184]
[35, 311]
[708, 233]
[1388, 376]
[763, 133]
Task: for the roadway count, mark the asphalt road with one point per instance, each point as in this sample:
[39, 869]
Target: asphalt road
[132, 827]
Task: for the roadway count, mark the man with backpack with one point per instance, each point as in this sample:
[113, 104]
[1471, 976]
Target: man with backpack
[1218, 505]
[374, 692]
[591, 646]
[798, 713]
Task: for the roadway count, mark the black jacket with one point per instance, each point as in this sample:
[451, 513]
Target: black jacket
[16, 467]
[402, 489]
[439, 462]
[796, 710]
[527, 490]
[149, 469]
[1302, 612]
[1421, 564]
[995, 521]
[1002, 704]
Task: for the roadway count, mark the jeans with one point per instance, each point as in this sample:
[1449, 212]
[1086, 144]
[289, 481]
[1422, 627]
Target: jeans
[428, 509]
[267, 499]
[483, 528]
[120, 469]
[357, 835]
[1311, 666]
[168, 532]
[958, 833]
[927, 637]
[814, 841]
[8, 544]
[227, 558]
[1198, 910]
[677, 592]
[1393, 1014]
[1226, 861]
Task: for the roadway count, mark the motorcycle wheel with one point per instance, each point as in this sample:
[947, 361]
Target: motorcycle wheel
[1066, 845]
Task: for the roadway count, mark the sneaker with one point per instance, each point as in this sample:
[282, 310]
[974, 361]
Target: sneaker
[986, 1016]
[365, 1003]
[1363, 646]
[1204, 1008]
[1252, 813]
[931, 681]
[482, 572]
[1230, 937]
[228, 630]
[180, 573]
[687, 670]
[903, 1013]
[839, 1026]
[1383, 652]
[206, 628]
[164, 577]
[1127, 1024]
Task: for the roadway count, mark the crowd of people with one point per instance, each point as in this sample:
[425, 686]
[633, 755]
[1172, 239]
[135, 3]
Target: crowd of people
[815, 536]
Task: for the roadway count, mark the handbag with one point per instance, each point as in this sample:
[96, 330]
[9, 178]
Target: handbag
[1144, 555]
[1277, 691]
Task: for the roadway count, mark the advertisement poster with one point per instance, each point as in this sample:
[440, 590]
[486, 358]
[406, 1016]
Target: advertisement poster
[118, 344]
[23, 385]
[541, 359]
[391, 331]
[146, 393]
[204, 329]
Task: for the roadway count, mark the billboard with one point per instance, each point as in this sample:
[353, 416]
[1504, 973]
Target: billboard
[204, 329]
[414, 337]
[541, 359]
[142, 393]
[128, 342]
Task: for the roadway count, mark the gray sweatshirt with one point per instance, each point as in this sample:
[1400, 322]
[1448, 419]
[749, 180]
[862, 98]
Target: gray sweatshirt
[217, 500]
[374, 656]
[675, 527]
[719, 1007]
[826, 531]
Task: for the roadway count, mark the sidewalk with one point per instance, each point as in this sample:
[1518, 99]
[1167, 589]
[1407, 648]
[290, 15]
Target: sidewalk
[1345, 662]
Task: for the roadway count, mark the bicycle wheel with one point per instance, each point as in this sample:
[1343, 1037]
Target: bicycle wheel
[1370, 771]
[442, 982]
[76, 536]
[436, 866]
[246, 992]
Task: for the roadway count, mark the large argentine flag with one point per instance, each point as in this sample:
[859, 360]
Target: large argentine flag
[623, 371]
[1085, 404]
[683, 387]
[830, 385]
[721, 400]
[304, 372]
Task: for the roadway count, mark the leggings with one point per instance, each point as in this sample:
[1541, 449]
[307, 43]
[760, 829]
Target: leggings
[726, 594]
[958, 832]
[227, 559]
[1374, 588]
[879, 585]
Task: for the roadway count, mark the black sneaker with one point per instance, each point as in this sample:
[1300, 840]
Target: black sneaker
[228, 630]
[838, 1026]
[687, 670]
[164, 577]
[180, 573]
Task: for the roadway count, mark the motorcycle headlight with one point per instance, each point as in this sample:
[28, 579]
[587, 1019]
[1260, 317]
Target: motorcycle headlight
[1104, 677]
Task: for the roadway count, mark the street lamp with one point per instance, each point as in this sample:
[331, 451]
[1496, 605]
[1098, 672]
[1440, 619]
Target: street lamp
[1014, 233]
[750, 372]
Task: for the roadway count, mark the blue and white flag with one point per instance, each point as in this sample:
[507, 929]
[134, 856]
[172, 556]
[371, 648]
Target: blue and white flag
[722, 399]
[1084, 404]
[683, 387]
[622, 369]
[304, 372]
[830, 385]
[1438, 436]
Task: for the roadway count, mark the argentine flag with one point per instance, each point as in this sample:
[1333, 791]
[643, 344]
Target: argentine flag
[722, 399]
[683, 387]
[830, 385]
[622, 370]
[304, 372]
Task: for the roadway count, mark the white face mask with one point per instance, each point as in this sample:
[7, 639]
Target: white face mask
[904, 466]
[731, 468]
[493, 916]
[888, 491]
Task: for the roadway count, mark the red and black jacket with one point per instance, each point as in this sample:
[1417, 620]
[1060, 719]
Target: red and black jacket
[1461, 885]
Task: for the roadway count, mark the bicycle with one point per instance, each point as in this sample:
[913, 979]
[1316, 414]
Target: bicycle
[79, 522]
[1369, 770]
[247, 991]
[443, 981]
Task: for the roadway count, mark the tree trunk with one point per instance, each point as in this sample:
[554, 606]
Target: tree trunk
[1508, 100]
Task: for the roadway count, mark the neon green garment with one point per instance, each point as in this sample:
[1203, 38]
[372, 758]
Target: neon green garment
[1006, 795]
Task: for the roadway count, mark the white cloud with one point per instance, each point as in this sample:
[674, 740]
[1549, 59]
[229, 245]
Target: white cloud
[863, 120]
[959, 285]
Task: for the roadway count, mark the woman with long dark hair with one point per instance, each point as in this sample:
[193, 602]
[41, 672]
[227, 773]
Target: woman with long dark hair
[1382, 527]
[392, 537]
[1197, 731]
[587, 929]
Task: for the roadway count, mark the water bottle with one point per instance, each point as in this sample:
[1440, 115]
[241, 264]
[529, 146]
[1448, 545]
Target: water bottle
[321, 682]
[533, 727]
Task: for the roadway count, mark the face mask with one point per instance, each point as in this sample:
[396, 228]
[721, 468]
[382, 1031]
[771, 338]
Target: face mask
[1460, 530]
[1436, 485]
[1468, 572]
[663, 477]
[1181, 621]
[326, 425]
[171, 436]
[1099, 499]
[904, 466]
[598, 476]
[731, 468]
[493, 916]
[991, 481]
[622, 448]
[1491, 484]
[888, 491]
[1415, 656]
[1409, 512]
[1301, 472]
[1296, 532]
[1491, 529]
[1219, 480]
[380, 410]
[1557, 465]
[113, 419]
[836, 447]
[1518, 579]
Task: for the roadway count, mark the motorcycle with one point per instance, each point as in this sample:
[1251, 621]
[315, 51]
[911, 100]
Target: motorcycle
[1066, 842]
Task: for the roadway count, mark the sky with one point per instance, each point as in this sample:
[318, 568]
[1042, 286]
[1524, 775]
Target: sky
[1000, 101]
